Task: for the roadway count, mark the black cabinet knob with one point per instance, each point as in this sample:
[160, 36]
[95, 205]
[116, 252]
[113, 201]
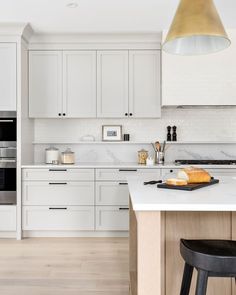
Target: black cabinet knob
[64, 114]
[126, 114]
[131, 114]
[59, 114]
[171, 171]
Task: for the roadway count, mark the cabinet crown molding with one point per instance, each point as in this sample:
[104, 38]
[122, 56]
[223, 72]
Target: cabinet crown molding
[147, 40]
[23, 30]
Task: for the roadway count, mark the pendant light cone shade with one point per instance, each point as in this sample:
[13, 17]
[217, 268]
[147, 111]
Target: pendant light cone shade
[196, 29]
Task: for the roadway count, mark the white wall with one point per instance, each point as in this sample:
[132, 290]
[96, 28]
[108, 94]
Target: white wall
[214, 124]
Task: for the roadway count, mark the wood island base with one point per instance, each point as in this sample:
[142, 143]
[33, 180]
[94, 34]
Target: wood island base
[156, 266]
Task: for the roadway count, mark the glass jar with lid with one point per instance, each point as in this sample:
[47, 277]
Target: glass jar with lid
[68, 157]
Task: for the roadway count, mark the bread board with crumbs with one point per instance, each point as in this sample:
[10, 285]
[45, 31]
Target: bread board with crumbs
[188, 187]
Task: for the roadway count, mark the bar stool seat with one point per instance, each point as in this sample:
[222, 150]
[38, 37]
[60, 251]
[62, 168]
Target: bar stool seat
[211, 258]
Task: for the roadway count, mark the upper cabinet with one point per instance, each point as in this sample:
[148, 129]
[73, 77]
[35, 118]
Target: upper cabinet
[45, 84]
[102, 84]
[8, 76]
[62, 84]
[112, 84]
[144, 84]
[200, 80]
[79, 84]
[128, 84]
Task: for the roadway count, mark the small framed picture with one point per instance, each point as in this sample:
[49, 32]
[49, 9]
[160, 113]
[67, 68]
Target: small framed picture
[111, 132]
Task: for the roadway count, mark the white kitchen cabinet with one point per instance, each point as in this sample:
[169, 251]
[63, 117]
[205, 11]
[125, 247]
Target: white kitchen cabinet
[112, 193]
[200, 80]
[58, 193]
[58, 218]
[112, 84]
[58, 174]
[144, 84]
[8, 77]
[112, 218]
[45, 84]
[79, 84]
[8, 218]
[123, 173]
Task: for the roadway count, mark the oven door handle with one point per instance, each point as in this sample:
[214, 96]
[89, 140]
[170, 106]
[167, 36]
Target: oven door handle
[6, 121]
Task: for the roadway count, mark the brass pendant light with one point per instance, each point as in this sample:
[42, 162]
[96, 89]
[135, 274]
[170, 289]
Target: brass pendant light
[196, 29]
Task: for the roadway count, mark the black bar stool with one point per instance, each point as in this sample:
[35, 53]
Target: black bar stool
[211, 258]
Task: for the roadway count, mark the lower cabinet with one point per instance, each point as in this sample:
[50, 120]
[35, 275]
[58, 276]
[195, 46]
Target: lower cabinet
[58, 218]
[112, 218]
[8, 218]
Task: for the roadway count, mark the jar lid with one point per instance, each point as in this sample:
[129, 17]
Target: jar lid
[51, 148]
[142, 151]
[67, 151]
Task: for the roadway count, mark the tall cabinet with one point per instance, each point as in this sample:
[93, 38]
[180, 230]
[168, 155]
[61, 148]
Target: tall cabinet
[8, 69]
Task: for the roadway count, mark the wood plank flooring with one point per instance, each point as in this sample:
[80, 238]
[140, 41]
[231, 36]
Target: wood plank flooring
[64, 266]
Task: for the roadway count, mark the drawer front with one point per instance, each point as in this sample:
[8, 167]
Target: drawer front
[112, 193]
[57, 193]
[113, 218]
[7, 218]
[222, 172]
[58, 218]
[122, 174]
[169, 173]
[59, 174]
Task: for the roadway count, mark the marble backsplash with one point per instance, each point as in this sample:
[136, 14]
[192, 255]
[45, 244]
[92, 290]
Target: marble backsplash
[193, 124]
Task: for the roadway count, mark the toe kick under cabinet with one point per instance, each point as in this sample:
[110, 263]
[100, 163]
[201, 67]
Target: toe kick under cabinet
[78, 199]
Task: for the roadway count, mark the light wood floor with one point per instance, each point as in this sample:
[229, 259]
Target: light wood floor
[68, 266]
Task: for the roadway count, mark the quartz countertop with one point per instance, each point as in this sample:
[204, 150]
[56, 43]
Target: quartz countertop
[218, 197]
[123, 165]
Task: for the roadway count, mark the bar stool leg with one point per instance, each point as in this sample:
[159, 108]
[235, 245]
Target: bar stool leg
[187, 278]
[202, 280]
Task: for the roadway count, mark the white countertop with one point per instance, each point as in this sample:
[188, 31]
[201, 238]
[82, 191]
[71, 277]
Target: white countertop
[123, 165]
[218, 197]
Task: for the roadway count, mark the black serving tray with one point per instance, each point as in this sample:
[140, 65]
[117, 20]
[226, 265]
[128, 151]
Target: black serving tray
[188, 187]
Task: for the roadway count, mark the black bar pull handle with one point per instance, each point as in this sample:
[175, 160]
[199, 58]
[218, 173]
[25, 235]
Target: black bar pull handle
[57, 170]
[128, 170]
[57, 208]
[57, 183]
[123, 183]
[123, 208]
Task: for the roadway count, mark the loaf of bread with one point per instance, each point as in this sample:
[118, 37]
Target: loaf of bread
[176, 181]
[194, 175]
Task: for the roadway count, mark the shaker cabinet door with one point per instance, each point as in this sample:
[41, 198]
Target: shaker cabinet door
[144, 84]
[8, 77]
[112, 84]
[45, 84]
[79, 84]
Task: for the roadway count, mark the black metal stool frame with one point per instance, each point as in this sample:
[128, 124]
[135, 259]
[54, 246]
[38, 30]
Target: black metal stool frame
[206, 266]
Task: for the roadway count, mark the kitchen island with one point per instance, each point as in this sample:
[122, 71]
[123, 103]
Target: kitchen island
[159, 218]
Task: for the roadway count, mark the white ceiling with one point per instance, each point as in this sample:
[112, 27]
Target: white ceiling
[52, 16]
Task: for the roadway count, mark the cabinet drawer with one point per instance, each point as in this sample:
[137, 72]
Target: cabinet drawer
[57, 193]
[58, 218]
[112, 193]
[121, 174]
[7, 218]
[169, 173]
[215, 172]
[114, 218]
[59, 174]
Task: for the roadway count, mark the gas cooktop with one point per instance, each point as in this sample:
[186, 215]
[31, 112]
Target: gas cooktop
[205, 162]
